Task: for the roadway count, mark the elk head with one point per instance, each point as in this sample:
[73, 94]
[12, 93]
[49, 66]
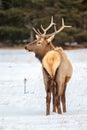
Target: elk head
[43, 42]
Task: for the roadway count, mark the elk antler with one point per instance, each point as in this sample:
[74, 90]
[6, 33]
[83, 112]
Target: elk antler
[62, 27]
[51, 24]
[44, 30]
[37, 32]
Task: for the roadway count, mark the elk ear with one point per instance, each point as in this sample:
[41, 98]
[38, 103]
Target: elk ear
[50, 38]
[37, 36]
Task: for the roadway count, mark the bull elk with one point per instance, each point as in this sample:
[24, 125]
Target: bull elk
[57, 69]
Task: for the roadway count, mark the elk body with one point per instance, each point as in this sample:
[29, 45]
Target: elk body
[57, 69]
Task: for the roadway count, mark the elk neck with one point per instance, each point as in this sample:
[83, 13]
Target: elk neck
[40, 57]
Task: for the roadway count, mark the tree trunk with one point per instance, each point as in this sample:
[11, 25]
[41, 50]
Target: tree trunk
[85, 22]
[0, 4]
[31, 35]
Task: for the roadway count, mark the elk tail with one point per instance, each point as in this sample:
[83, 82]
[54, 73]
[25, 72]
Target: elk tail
[51, 80]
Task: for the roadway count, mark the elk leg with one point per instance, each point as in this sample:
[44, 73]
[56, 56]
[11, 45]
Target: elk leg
[48, 99]
[58, 105]
[54, 98]
[58, 99]
[63, 99]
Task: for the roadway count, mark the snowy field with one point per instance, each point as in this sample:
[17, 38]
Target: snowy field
[19, 111]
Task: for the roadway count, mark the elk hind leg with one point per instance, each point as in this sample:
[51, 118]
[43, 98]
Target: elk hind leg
[54, 97]
[48, 97]
[48, 100]
[63, 99]
[58, 105]
[58, 99]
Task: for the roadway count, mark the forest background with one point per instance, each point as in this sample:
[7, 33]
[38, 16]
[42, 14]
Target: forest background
[18, 17]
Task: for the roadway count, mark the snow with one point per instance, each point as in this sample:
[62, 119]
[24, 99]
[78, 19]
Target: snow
[19, 111]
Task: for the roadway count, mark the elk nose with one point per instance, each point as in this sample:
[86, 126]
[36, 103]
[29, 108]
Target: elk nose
[26, 47]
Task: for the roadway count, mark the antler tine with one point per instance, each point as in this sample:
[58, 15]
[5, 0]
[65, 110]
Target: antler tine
[51, 24]
[55, 28]
[62, 22]
[62, 27]
[37, 32]
[65, 25]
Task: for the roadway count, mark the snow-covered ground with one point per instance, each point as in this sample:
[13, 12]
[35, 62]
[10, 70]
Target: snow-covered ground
[19, 111]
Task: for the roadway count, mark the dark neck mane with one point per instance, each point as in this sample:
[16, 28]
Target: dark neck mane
[39, 57]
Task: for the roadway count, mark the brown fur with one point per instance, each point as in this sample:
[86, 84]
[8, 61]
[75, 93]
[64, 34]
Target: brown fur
[51, 62]
[55, 77]
[57, 61]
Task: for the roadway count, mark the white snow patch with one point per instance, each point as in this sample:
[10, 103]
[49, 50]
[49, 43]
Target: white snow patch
[19, 111]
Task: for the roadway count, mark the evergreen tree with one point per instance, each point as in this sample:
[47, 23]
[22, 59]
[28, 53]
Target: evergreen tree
[19, 16]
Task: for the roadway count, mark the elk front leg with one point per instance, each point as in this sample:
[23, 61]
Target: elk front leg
[63, 99]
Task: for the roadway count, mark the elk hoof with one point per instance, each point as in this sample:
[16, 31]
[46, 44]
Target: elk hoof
[47, 113]
[59, 111]
[54, 110]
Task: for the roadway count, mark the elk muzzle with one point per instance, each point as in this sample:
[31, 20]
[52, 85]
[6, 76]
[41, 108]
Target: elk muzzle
[27, 48]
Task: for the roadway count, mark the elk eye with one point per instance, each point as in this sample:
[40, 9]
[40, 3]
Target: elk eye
[39, 43]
